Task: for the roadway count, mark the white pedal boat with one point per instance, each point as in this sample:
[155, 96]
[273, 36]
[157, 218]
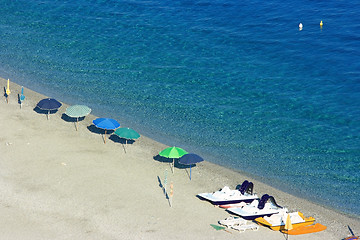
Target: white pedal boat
[265, 207]
[228, 196]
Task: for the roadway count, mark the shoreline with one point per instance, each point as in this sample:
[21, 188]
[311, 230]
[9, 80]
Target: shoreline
[138, 161]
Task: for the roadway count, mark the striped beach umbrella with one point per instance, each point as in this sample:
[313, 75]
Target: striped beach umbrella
[77, 111]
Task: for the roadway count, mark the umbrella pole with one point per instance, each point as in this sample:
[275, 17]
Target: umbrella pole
[77, 123]
[47, 115]
[190, 172]
[173, 165]
[105, 136]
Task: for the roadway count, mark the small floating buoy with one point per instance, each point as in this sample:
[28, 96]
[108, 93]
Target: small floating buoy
[300, 26]
[321, 24]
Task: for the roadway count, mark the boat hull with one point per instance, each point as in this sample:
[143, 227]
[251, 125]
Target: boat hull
[216, 201]
[263, 222]
[250, 216]
[305, 229]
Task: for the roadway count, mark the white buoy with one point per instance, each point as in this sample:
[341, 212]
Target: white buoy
[300, 26]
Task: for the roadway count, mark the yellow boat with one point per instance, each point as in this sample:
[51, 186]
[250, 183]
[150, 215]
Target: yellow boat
[317, 227]
[277, 221]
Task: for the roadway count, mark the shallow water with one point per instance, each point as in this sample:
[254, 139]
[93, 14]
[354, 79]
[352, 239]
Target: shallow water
[235, 82]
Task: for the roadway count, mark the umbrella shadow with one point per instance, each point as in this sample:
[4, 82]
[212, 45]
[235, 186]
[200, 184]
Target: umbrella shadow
[163, 189]
[40, 111]
[92, 128]
[162, 159]
[161, 186]
[170, 160]
[183, 166]
[186, 167]
[19, 102]
[117, 139]
[66, 118]
[120, 140]
[5, 94]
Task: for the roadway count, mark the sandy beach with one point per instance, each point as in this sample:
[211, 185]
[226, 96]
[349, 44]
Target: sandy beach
[59, 183]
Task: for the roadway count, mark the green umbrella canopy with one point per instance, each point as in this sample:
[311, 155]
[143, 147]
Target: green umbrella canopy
[173, 152]
[77, 111]
[127, 133]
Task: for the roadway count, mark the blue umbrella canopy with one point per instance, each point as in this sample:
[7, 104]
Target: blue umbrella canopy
[49, 104]
[106, 124]
[189, 159]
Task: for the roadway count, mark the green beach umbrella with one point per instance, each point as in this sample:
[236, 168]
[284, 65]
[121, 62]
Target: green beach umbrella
[173, 152]
[127, 134]
[77, 111]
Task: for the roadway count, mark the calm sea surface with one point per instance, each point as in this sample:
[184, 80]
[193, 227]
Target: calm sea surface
[234, 81]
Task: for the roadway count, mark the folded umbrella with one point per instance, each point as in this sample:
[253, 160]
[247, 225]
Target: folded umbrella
[8, 90]
[22, 96]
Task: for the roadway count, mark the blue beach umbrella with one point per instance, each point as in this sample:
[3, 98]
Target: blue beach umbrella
[49, 104]
[190, 159]
[22, 96]
[106, 124]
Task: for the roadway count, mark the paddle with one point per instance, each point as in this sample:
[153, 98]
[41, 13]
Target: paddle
[353, 237]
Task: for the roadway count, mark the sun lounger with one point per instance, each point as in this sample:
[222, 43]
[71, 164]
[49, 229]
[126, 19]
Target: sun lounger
[242, 228]
[231, 221]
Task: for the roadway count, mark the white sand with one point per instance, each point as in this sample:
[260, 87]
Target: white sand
[58, 183]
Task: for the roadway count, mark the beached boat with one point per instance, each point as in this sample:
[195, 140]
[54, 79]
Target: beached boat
[227, 196]
[267, 206]
[277, 221]
[241, 204]
[305, 229]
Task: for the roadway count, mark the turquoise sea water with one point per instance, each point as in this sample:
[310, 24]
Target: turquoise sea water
[234, 81]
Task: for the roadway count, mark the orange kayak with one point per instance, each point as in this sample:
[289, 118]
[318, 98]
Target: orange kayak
[305, 229]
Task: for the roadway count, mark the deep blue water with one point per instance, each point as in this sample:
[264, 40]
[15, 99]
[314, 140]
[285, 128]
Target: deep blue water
[234, 81]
